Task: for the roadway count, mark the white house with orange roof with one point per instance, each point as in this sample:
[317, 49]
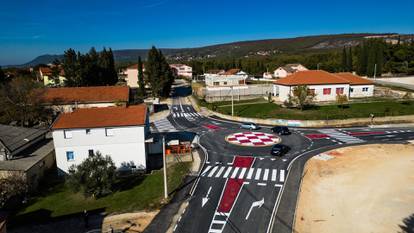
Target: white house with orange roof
[288, 69]
[45, 74]
[326, 86]
[119, 132]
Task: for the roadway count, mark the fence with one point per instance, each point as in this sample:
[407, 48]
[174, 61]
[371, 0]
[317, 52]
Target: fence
[239, 92]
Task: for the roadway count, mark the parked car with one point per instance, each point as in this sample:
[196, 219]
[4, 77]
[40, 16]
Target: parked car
[279, 150]
[281, 130]
[250, 126]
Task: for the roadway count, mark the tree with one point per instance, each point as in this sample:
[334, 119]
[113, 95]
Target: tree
[344, 60]
[12, 185]
[349, 61]
[70, 65]
[20, 101]
[159, 74]
[302, 96]
[2, 76]
[141, 83]
[94, 177]
[341, 100]
[55, 72]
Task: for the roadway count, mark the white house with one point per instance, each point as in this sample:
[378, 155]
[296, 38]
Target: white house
[182, 70]
[45, 74]
[131, 75]
[232, 77]
[66, 99]
[119, 132]
[326, 86]
[288, 69]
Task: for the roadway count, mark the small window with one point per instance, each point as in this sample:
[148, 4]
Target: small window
[216, 83]
[339, 90]
[90, 153]
[365, 89]
[70, 156]
[67, 134]
[109, 132]
[225, 83]
[327, 91]
[351, 90]
[88, 131]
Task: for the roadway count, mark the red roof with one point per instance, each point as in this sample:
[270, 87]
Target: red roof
[102, 117]
[231, 72]
[311, 77]
[45, 70]
[103, 94]
[355, 79]
[135, 66]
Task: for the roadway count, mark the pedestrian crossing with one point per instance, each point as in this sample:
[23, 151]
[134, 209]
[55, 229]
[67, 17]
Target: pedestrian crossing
[218, 223]
[192, 116]
[341, 136]
[163, 125]
[253, 174]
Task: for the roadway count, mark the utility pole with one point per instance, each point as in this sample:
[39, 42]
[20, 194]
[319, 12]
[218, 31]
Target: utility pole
[317, 65]
[375, 70]
[164, 161]
[232, 102]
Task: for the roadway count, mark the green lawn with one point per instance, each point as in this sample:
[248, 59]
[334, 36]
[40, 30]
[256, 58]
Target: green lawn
[144, 193]
[355, 110]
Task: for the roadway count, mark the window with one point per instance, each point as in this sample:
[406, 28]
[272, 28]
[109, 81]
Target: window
[88, 131]
[67, 134]
[216, 83]
[90, 153]
[327, 91]
[365, 89]
[70, 156]
[225, 83]
[351, 89]
[339, 90]
[109, 132]
[241, 82]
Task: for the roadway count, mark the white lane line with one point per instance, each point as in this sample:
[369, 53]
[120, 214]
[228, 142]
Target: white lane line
[206, 170]
[278, 185]
[212, 171]
[266, 174]
[282, 176]
[261, 184]
[227, 172]
[233, 175]
[242, 173]
[274, 172]
[250, 173]
[220, 171]
[218, 222]
[257, 177]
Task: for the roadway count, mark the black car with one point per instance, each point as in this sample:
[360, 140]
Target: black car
[281, 130]
[279, 150]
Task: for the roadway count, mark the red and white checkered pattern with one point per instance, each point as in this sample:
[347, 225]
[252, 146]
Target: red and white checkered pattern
[253, 139]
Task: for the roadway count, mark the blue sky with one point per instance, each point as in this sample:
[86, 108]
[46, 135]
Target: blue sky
[30, 28]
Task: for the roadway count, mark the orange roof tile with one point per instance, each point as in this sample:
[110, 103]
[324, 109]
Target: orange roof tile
[102, 117]
[45, 70]
[135, 66]
[67, 95]
[311, 77]
[355, 79]
[231, 72]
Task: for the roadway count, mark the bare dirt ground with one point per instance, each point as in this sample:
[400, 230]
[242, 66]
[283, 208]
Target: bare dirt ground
[367, 188]
[405, 80]
[129, 222]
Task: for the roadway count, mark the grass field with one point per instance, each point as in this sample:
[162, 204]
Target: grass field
[355, 110]
[139, 194]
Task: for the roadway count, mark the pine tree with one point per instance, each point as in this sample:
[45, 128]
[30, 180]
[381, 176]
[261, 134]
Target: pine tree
[71, 68]
[344, 60]
[159, 74]
[141, 83]
[93, 72]
[2, 76]
[349, 60]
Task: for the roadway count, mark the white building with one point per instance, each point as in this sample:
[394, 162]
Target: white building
[232, 77]
[326, 86]
[119, 132]
[67, 99]
[267, 75]
[182, 70]
[131, 75]
[45, 74]
[288, 69]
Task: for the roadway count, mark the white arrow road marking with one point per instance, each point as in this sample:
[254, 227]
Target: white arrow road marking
[205, 199]
[255, 204]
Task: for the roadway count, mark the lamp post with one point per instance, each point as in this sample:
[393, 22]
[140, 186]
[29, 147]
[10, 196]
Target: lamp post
[164, 161]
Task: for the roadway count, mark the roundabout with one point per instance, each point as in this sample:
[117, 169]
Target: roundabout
[253, 139]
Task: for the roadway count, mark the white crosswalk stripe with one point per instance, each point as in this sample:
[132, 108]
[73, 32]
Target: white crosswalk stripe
[227, 172]
[266, 174]
[274, 172]
[212, 171]
[257, 177]
[282, 176]
[257, 174]
[219, 172]
[341, 136]
[249, 175]
[234, 172]
[242, 173]
[164, 125]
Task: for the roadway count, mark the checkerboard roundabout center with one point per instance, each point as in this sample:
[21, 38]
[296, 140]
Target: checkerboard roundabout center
[254, 139]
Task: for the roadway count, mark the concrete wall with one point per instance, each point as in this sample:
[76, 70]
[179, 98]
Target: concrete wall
[71, 107]
[239, 93]
[126, 145]
[213, 80]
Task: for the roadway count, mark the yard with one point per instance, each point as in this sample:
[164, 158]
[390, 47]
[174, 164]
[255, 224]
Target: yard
[142, 193]
[352, 110]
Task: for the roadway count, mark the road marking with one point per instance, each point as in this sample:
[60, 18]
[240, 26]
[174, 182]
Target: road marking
[206, 170]
[242, 173]
[282, 176]
[261, 184]
[219, 222]
[204, 200]
[274, 172]
[227, 172]
[234, 172]
[258, 204]
[249, 175]
[278, 185]
[212, 171]
[220, 171]
[257, 177]
[266, 174]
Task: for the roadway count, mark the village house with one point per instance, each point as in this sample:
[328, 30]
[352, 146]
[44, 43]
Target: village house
[25, 152]
[45, 74]
[66, 99]
[130, 75]
[120, 132]
[232, 77]
[326, 86]
[288, 69]
[182, 70]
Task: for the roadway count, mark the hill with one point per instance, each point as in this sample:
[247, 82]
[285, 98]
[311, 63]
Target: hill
[269, 47]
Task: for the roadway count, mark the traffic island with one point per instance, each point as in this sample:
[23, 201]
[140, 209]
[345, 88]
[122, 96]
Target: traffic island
[252, 139]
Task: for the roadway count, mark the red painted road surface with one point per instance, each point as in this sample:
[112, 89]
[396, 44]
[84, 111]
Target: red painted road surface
[230, 193]
[243, 161]
[316, 136]
[213, 127]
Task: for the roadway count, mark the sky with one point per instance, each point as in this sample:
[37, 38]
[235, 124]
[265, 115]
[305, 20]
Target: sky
[30, 28]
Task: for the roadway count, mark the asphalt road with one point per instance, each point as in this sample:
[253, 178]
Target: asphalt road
[245, 189]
